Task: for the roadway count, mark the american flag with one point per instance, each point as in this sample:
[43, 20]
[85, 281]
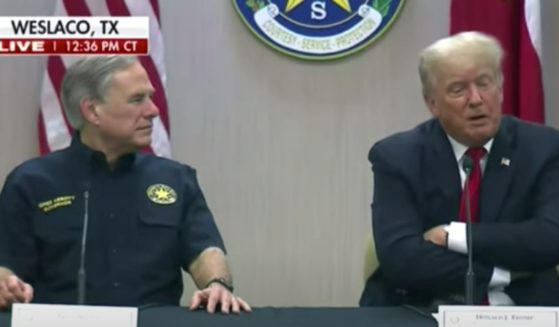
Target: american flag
[54, 130]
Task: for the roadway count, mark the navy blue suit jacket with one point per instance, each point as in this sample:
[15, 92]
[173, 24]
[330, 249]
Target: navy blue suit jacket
[417, 187]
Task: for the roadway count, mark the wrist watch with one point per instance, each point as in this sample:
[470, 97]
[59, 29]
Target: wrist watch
[222, 282]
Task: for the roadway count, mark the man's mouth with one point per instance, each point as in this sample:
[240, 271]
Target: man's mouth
[478, 119]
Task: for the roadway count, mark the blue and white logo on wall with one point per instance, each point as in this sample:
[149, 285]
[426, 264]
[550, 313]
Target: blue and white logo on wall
[318, 29]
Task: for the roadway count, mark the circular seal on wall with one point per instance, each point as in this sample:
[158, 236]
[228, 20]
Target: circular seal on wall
[318, 29]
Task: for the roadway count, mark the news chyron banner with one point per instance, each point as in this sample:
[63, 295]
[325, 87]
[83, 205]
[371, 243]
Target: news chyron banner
[74, 35]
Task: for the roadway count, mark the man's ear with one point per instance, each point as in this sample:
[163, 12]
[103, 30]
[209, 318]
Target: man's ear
[88, 109]
[431, 104]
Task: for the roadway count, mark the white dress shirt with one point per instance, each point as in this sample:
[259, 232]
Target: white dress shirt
[457, 232]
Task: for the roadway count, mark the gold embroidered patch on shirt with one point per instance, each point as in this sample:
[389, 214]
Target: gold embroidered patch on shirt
[161, 194]
[61, 201]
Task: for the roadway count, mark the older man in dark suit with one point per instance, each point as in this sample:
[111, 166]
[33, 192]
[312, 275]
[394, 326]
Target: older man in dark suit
[419, 209]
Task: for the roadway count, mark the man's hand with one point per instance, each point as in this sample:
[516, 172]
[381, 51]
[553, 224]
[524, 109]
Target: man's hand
[14, 290]
[436, 235]
[209, 264]
[216, 294]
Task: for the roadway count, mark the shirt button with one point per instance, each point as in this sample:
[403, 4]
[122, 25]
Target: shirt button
[116, 284]
[112, 215]
[114, 251]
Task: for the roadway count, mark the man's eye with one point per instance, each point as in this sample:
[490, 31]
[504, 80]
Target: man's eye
[138, 99]
[484, 83]
[456, 89]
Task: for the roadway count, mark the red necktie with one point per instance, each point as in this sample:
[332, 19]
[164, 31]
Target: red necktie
[474, 181]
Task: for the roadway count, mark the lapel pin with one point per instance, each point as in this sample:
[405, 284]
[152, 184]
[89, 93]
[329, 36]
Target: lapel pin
[505, 161]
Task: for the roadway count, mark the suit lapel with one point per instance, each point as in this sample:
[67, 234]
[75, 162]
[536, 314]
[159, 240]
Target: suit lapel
[498, 171]
[443, 170]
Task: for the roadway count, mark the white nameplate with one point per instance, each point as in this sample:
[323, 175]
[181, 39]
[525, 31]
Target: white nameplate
[40, 315]
[496, 316]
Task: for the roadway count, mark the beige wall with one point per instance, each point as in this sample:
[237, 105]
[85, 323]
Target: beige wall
[280, 144]
[550, 37]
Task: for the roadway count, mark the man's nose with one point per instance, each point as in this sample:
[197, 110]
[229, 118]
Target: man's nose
[152, 109]
[475, 98]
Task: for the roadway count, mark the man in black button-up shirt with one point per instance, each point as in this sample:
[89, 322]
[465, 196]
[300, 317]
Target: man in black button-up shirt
[146, 215]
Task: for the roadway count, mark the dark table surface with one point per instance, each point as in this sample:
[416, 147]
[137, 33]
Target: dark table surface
[276, 317]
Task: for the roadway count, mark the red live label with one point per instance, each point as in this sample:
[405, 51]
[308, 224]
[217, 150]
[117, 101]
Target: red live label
[73, 46]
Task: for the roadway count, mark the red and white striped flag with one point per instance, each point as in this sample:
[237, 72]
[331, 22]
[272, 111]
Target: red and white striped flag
[54, 130]
[516, 23]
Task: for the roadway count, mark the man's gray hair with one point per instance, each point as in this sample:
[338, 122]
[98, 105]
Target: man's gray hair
[89, 78]
[475, 44]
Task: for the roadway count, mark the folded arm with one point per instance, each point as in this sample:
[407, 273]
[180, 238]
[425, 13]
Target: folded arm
[409, 260]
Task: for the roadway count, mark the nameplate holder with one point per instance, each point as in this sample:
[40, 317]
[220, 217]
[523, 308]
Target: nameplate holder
[40, 315]
[496, 316]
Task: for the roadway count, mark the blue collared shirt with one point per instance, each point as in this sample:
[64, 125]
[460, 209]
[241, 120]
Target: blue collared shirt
[147, 219]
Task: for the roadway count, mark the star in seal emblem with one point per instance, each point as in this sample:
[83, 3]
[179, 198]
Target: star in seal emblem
[161, 194]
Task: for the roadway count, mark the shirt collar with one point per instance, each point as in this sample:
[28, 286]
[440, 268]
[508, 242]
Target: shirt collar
[459, 149]
[97, 158]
